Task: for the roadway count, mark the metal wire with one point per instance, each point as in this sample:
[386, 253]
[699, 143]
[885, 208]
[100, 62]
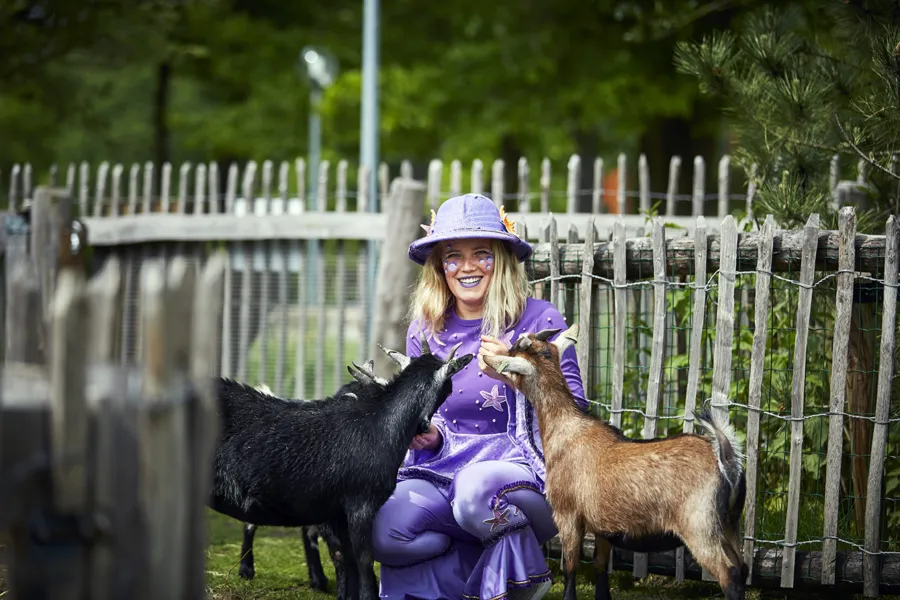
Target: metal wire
[709, 285]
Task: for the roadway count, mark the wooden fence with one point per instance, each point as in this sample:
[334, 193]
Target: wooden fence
[103, 467]
[716, 305]
[714, 263]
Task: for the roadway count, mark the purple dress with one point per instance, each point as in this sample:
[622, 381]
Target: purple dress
[467, 520]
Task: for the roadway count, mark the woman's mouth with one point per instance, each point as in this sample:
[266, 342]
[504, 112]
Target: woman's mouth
[469, 282]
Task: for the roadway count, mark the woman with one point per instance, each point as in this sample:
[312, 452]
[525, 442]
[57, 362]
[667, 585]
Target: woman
[468, 517]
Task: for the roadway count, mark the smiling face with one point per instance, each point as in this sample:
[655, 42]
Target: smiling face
[468, 268]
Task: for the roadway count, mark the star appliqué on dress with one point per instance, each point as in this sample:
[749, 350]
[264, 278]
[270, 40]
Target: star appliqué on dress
[493, 399]
[498, 520]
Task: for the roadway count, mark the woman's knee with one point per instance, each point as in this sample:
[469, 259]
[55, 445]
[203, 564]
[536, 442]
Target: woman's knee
[412, 525]
[490, 495]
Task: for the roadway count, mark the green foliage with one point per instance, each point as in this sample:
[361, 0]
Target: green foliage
[462, 81]
[800, 83]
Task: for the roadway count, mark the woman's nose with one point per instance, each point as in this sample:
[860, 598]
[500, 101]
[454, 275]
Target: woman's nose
[470, 263]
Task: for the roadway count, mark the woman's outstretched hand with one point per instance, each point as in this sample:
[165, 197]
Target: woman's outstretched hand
[428, 440]
[491, 346]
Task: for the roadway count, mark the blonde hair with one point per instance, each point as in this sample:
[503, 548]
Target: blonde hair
[503, 304]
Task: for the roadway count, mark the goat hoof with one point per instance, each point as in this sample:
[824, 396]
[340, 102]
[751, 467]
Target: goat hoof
[246, 571]
[320, 584]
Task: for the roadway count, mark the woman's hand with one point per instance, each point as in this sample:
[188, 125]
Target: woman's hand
[429, 440]
[491, 346]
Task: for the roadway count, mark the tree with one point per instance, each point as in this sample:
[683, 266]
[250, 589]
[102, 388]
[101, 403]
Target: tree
[801, 83]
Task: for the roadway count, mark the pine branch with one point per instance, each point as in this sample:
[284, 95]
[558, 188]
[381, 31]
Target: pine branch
[861, 153]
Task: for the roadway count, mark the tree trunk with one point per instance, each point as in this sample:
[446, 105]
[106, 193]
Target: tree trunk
[161, 114]
[860, 401]
[587, 145]
[668, 137]
[510, 152]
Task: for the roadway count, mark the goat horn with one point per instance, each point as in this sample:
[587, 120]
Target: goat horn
[368, 369]
[358, 374]
[398, 357]
[545, 334]
[452, 352]
[425, 348]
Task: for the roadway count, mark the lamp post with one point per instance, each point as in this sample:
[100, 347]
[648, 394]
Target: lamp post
[319, 68]
[369, 122]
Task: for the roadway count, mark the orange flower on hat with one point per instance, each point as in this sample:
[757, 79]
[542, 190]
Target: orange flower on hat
[510, 226]
[429, 229]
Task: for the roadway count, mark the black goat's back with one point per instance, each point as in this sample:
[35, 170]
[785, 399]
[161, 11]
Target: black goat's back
[287, 462]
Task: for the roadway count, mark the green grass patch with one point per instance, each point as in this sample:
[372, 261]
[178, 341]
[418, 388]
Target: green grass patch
[281, 572]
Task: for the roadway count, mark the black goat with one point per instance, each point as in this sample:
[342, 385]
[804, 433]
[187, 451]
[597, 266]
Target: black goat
[333, 461]
[365, 379]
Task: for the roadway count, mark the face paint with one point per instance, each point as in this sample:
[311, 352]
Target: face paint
[487, 262]
[451, 266]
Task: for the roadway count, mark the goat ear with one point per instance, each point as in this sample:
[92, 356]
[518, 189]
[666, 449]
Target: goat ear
[424, 343]
[369, 365]
[522, 342]
[568, 338]
[398, 357]
[511, 365]
[545, 334]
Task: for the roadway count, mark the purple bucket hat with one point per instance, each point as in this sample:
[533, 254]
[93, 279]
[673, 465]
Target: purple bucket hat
[468, 216]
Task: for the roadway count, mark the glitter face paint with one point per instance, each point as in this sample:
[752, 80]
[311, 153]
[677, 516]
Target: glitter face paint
[468, 268]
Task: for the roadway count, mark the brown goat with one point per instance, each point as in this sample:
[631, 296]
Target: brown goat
[629, 492]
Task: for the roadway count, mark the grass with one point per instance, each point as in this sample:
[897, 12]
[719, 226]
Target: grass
[281, 572]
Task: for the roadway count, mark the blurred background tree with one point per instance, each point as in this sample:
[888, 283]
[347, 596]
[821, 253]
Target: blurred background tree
[801, 82]
[216, 80]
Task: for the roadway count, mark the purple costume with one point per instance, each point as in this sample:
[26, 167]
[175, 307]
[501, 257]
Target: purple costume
[467, 519]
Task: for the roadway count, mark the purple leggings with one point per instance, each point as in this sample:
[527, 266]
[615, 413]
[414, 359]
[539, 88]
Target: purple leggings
[477, 539]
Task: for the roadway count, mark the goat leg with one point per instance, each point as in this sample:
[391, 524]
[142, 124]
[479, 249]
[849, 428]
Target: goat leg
[348, 577]
[571, 532]
[602, 555]
[336, 553]
[317, 578]
[246, 569]
[713, 555]
[359, 522]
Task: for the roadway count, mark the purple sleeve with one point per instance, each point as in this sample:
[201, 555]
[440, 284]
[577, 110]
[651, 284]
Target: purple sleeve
[551, 319]
[413, 349]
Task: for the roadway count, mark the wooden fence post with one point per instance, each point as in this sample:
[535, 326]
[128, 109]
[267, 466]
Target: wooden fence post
[655, 377]
[871, 561]
[698, 319]
[397, 274]
[798, 380]
[843, 307]
[757, 369]
[24, 314]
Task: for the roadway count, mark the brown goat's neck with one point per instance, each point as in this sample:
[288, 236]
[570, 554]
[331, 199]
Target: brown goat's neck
[554, 405]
